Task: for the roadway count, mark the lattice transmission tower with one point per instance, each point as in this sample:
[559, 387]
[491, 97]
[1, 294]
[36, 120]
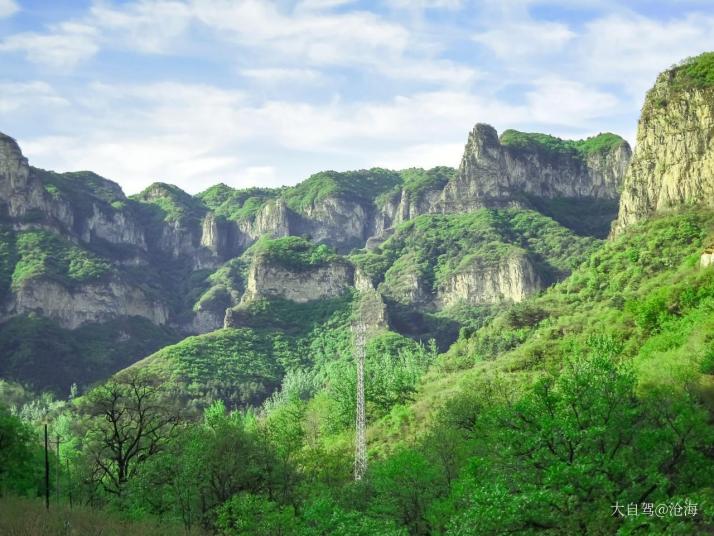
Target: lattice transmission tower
[360, 330]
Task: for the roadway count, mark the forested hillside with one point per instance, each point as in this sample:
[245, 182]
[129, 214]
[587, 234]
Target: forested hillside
[523, 372]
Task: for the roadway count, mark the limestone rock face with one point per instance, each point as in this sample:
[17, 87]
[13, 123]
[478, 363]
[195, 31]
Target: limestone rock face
[341, 223]
[493, 174]
[115, 227]
[92, 302]
[211, 235]
[673, 162]
[205, 321]
[513, 279]
[497, 175]
[403, 207]
[707, 258]
[14, 177]
[270, 280]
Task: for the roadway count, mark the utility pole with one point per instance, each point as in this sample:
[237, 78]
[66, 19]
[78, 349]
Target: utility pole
[59, 467]
[361, 423]
[47, 472]
[69, 483]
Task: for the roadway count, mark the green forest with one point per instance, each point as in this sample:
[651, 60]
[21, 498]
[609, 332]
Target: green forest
[597, 392]
[526, 343]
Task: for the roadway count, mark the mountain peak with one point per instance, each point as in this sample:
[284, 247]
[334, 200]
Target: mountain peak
[673, 164]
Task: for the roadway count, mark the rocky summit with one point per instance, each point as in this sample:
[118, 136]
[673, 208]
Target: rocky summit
[673, 163]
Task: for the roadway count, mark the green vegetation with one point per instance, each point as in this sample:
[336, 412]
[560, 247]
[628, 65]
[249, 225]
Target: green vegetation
[360, 186]
[415, 182]
[293, 252]
[438, 246]
[555, 147]
[697, 72]
[586, 216]
[55, 358]
[173, 204]
[235, 204]
[226, 285]
[597, 392]
[44, 254]
[244, 365]
[82, 189]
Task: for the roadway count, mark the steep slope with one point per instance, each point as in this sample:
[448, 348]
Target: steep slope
[75, 251]
[521, 170]
[673, 163]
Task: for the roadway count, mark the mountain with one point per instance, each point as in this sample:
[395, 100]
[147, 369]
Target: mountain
[673, 163]
[96, 269]
[521, 374]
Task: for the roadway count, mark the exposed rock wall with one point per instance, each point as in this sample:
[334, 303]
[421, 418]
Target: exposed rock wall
[673, 162]
[269, 280]
[494, 175]
[93, 302]
[512, 279]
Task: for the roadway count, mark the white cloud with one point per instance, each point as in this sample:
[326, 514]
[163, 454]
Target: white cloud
[630, 50]
[324, 38]
[64, 46]
[28, 96]
[150, 26]
[567, 102]
[283, 74]
[524, 39]
[195, 135]
[317, 5]
[8, 8]
[426, 4]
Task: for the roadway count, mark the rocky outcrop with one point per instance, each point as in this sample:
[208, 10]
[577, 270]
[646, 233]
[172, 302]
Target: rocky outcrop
[113, 226]
[339, 222]
[673, 164]
[707, 257]
[267, 279]
[495, 174]
[512, 279]
[92, 302]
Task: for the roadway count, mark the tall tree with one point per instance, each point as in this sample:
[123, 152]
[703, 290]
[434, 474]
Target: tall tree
[129, 421]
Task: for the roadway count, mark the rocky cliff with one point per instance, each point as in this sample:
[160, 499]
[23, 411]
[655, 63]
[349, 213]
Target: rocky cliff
[673, 164]
[267, 280]
[74, 250]
[89, 303]
[511, 279]
[515, 171]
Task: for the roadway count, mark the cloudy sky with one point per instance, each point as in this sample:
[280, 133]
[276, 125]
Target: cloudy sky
[254, 92]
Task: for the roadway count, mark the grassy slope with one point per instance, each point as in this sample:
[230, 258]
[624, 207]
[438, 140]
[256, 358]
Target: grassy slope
[245, 365]
[29, 518]
[645, 290]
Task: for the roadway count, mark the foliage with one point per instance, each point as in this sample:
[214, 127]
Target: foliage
[45, 254]
[602, 143]
[236, 204]
[293, 252]
[55, 358]
[128, 421]
[19, 456]
[697, 71]
[252, 515]
[172, 203]
[226, 287]
[438, 246]
[360, 186]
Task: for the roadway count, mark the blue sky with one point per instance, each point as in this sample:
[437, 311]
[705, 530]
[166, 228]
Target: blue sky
[252, 92]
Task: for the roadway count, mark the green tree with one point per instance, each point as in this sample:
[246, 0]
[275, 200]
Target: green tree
[19, 460]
